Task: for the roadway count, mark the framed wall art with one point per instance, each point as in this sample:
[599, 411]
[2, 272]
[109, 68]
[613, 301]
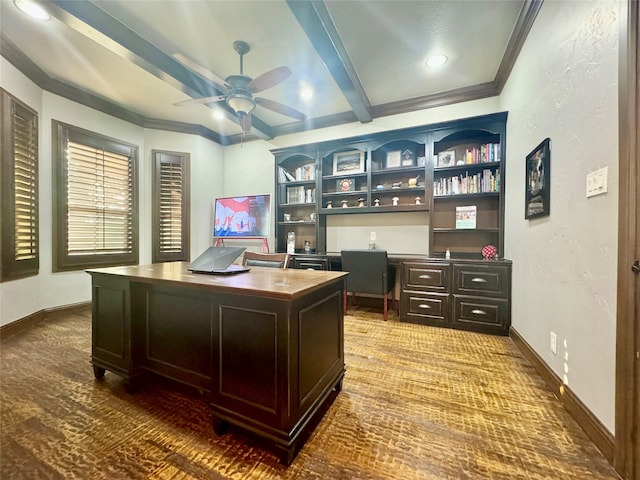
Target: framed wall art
[348, 162]
[538, 178]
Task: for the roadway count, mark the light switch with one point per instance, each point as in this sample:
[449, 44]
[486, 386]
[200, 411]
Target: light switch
[597, 182]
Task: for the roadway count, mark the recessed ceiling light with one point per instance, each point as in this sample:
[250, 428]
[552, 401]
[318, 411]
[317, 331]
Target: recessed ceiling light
[32, 9]
[436, 60]
[306, 92]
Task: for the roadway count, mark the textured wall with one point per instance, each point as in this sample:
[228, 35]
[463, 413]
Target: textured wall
[564, 86]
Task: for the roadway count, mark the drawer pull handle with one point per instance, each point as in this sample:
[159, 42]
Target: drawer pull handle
[478, 280]
[478, 312]
[425, 306]
[425, 276]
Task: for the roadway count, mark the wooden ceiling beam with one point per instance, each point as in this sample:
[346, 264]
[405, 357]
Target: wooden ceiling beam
[315, 20]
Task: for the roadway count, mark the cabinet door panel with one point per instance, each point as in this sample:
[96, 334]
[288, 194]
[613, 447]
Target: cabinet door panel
[110, 322]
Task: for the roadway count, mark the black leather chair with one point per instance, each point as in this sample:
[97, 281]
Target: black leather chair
[369, 272]
[274, 260]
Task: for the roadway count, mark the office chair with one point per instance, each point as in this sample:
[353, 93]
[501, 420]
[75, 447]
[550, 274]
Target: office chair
[369, 272]
[274, 260]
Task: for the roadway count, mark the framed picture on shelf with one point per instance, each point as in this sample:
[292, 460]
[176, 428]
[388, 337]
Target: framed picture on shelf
[408, 159]
[393, 159]
[537, 178]
[446, 158]
[348, 162]
[345, 185]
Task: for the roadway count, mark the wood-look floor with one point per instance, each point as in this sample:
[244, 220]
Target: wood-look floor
[417, 403]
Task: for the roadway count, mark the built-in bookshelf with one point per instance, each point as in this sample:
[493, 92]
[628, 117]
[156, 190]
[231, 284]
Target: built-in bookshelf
[437, 168]
[296, 200]
[467, 208]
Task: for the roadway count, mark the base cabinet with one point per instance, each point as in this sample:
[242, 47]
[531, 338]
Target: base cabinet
[462, 294]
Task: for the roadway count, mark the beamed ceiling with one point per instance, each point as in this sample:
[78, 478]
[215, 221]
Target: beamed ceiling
[362, 59]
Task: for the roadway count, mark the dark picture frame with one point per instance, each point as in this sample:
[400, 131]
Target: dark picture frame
[345, 185]
[408, 158]
[538, 181]
[348, 162]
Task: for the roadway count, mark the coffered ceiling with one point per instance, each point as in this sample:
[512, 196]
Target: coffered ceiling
[362, 59]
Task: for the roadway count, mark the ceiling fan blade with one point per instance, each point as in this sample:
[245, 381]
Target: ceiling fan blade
[280, 108]
[195, 101]
[199, 69]
[245, 122]
[269, 79]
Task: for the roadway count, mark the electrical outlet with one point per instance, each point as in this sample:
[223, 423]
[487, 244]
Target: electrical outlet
[553, 343]
[372, 236]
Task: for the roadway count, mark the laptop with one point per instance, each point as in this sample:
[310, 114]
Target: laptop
[218, 260]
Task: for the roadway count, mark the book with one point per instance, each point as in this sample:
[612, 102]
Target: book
[466, 217]
[295, 195]
[284, 176]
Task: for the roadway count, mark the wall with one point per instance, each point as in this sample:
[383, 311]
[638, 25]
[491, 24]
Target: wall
[564, 86]
[20, 298]
[249, 169]
[404, 232]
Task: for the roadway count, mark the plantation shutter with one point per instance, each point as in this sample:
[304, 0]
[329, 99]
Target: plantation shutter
[19, 199]
[25, 177]
[171, 213]
[99, 201]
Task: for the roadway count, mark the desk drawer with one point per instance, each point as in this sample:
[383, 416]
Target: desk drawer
[426, 277]
[311, 263]
[484, 280]
[485, 314]
[432, 309]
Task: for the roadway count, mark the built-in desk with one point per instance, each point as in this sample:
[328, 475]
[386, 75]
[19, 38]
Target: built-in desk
[266, 347]
[467, 294]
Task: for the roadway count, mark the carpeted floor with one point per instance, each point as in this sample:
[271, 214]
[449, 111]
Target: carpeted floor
[417, 403]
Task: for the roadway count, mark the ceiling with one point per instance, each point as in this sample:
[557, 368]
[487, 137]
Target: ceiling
[363, 59]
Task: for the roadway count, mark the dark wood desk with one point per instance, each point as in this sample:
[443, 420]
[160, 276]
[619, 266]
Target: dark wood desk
[266, 347]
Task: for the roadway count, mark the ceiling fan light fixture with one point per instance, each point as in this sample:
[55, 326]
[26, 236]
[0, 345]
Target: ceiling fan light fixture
[241, 103]
[32, 9]
[437, 60]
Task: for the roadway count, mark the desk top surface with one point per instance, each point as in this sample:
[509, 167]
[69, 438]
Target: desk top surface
[261, 281]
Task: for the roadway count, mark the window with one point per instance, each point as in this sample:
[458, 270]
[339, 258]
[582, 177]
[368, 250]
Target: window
[170, 232]
[95, 220]
[18, 189]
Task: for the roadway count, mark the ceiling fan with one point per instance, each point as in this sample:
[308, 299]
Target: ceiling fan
[240, 89]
